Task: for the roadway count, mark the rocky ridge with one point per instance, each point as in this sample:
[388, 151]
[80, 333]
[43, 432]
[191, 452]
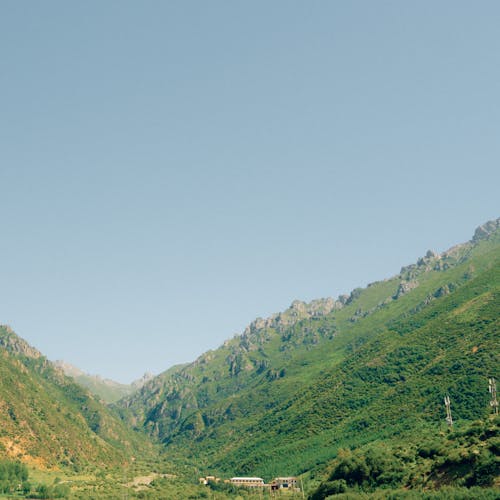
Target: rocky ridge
[484, 231]
[15, 344]
[163, 402]
[300, 310]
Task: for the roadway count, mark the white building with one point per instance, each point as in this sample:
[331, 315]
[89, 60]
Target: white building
[249, 482]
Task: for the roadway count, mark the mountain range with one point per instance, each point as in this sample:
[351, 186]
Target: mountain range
[327, 390]
[294, 388]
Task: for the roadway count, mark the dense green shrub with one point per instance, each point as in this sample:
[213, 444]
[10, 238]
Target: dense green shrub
[13, 476]
[376, 467]
[44, 491]
[351, 468]
[429, 449]
[329, 488]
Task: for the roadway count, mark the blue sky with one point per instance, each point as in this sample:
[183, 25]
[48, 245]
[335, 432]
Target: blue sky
[171, 170]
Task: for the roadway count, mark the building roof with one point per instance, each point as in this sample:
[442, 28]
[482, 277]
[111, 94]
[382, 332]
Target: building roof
[247, 479]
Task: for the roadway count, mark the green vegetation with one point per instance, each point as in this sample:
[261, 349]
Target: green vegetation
[463, 458]
[14, 482]
[13, 477]
[107, 390]
[284, 398]
[48, 420]
[348, 394]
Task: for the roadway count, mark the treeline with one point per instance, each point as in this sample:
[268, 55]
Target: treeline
[14, 479]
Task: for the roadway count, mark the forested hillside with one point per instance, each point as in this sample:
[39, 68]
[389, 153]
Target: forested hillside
[347, 393]
[292, 390]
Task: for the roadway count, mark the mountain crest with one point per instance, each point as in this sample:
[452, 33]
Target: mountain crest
[297, 311]
[15, 344]
[484, 231]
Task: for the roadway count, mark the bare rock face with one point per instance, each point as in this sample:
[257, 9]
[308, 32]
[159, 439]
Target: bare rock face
[137, 384]
[404, 288]
[484, 231]
[343, 299]
[442, 291]
[299, 306]
[297, 311]
[15, 344]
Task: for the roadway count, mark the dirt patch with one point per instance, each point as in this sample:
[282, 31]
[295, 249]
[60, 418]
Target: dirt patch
[16, 451]
[142, 482]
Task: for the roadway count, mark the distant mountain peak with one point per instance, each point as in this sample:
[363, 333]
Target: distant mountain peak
[107, 389]
[68, 368]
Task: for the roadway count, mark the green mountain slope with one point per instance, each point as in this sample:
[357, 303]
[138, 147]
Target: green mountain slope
[48, 420]
[284, 397]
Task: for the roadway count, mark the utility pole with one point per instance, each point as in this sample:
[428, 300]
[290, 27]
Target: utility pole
[447, 403]
[493, 391]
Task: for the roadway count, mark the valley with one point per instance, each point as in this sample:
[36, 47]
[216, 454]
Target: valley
[345, 394]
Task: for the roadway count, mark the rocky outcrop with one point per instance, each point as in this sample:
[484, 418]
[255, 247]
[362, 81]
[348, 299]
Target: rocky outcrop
[404, 287]
[442, 291]
[484, 231]
[297, 311]
[431, 255]
[15, 344]
[137, 384]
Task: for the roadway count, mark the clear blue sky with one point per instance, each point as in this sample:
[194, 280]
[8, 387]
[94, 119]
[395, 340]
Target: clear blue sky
[171, 170]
